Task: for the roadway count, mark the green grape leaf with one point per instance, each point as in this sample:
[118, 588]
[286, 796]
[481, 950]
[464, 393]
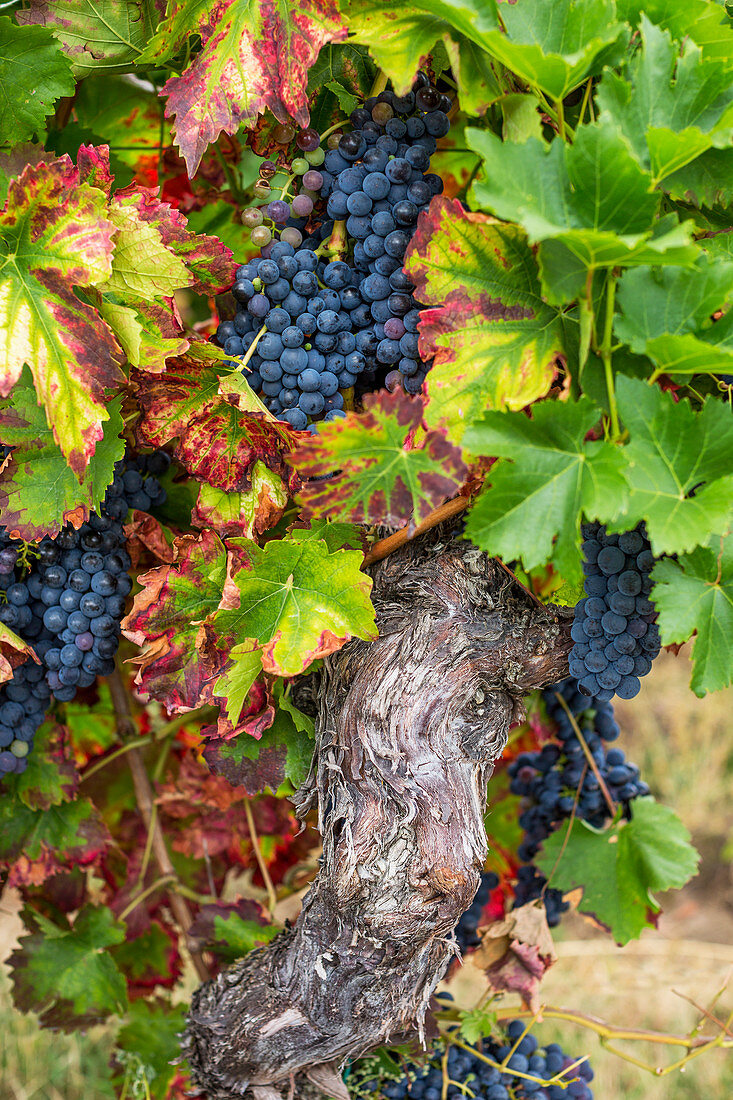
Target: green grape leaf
[340, 78]
[55, 237]
[494, 339]
[706, 181]
[148, 333]
[701, 21]
[554, 47]
[169, 619]
[346, 101]
[125, 115]
[549, 478]
[399, 38]
[299, 602]
[149, 959]
[219, 435]
[244, 665]
[619, 868]
[39, 494]
[666, 315]
[694, 594]
[37, 843]
[248, 513]
[673, 106]
[383, 476]
[33, 74]
[591, 198]
[65, 973]
[151, 1032]
[97, 35]
[672, 452]
[336, 536]
[232, 929]
[255, 54]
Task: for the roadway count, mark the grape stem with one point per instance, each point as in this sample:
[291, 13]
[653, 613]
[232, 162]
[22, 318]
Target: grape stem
[271, 895]
[588, 754]
[605, 353]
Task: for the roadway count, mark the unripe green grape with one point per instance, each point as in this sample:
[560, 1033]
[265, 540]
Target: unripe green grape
[292, 236]
[300, 166]
[316, 157]
[261, 189]
[312, 195]
[19, 749]
[333, 140]
[252, 217]
[260, 236]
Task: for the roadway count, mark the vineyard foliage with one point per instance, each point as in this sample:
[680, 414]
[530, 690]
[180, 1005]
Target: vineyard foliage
[575, 282]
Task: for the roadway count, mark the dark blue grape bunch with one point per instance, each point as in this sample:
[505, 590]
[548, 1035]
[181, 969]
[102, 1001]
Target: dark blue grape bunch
[24, 698]
[135, 484]
[523, 1055]
[296, 310]
[556, 781]
[67, 598]
[378, 181]
[81, 584]
[615, 633]
[466, 929]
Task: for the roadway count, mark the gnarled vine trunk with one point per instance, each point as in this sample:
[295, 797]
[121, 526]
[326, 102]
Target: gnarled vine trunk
[408, 730]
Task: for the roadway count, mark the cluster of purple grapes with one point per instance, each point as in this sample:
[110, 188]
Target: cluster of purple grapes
[67, 598]
[378, 181]
[517, 1053]
[293, 326]
[615, 634]
[466, 930]
[557, 781]
[319, 327]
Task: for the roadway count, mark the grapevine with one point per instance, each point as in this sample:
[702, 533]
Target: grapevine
[365, 436]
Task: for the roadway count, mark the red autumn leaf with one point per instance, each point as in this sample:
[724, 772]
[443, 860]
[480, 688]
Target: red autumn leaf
[515, 952]
[217, 439]
[169, 620]
[383, 475]
[13, 652]
[254, 54]
[58, 237]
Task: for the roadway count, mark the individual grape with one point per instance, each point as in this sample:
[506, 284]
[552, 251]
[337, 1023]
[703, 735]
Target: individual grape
[252, 217]
[260, 236]
[302, 206]
[308, 140]
[284, 133]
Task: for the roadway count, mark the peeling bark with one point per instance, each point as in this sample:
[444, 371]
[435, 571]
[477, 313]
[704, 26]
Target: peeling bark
[408, 730]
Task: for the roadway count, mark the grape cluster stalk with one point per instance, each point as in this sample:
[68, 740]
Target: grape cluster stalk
[556, 783]
[66, 597]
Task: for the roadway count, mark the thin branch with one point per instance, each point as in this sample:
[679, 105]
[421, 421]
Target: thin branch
[144, 797]
[271, 895]
[386, 546]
